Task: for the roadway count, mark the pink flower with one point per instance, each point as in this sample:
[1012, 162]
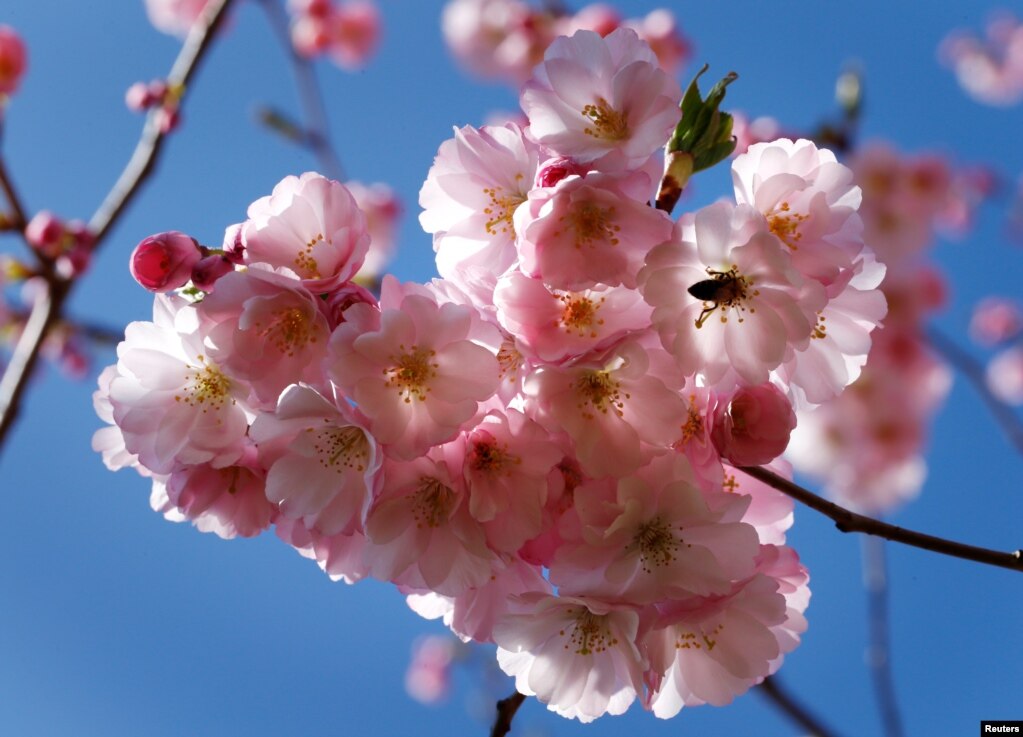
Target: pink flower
[311, 226]
[616, 409]
[590, 230]
[173, 404]
[769, 511]
[228, 502]
[354, 33]
[323, 467]
[603, 100]
[174, 17]
[339, 556]
[412, 370]
[265, 328]
[45, 231]
[576, 655]
[653, 536]
[472, 614]
[497, 38]
[478, 180]
[727, 299]
[164, 261]
[995, 320]
[13, 60]
[428, 677]
[752, 427]
[1005, 375]
[989, 70]
[508, 458]
[713, 650]
[809, 200]
[557, 325]
[420, 532]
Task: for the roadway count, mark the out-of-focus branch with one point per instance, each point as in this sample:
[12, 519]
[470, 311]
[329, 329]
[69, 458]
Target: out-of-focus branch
[974, 372]
[875, 580]
[506, 709]
[315, 130]
[48, 306]
[772, 689]
[17, 218]
[147, 151]
[847, 521]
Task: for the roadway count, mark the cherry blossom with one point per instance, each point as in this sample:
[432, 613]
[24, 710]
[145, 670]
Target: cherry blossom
[163, 262]
[576, 655]
[311, 226]
[174, 17]
[478, 180]
[602, 100]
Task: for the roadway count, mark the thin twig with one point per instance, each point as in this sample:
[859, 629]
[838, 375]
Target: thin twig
[316, 128]
[17, 219]
[875, 580]
[47, 309]
[506, 709]
[847, 521]
[143, 159]
[773, 690]
[974, 372]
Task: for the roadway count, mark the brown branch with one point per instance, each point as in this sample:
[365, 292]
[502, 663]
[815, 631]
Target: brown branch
[772, 689]
[315, 129]
[875, 580]
[147, 151]
[47, 309]
[847, 521]
[17, 220]
[506, 709]
[974, 372]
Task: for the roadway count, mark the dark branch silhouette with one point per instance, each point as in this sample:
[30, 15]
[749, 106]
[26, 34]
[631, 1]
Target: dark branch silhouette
[847, 521]
[778, 696]
[506, 709]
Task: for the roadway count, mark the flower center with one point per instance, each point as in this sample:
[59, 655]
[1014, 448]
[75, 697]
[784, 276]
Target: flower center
[820, 330]
[785, 225]
[694, 641]
[589, 634]
[432, 503]
[656, 544]
[726, 289]
[341, 448]
[592, 222]
[500, 210]
[208, 387]
[607, 123]
[305, 262]
[579, 314]
[693, 427]
[509, 360]
[601, 392]
[411, 373]
[488, 457]
[288, 331]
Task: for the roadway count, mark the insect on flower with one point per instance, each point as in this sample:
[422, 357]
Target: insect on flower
[723, 289]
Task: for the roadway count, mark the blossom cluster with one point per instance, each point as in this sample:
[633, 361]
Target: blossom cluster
[506, 39]
[867, 445]
[544, 446]
[347, 31]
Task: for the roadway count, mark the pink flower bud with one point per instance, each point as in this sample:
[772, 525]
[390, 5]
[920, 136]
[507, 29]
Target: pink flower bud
[207, 270]
[13, 60]
[234, 246]
[554, 170]
[753, 427]
[164, 261]
[344, 297]
[137, 98]
[44, 232]
[169, 118]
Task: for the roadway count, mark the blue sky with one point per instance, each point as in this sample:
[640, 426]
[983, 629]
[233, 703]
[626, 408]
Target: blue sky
[116, 622]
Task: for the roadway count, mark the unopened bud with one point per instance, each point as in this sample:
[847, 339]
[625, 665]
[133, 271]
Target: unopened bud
[164, 261]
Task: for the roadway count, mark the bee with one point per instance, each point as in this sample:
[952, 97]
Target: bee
[723, 289]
